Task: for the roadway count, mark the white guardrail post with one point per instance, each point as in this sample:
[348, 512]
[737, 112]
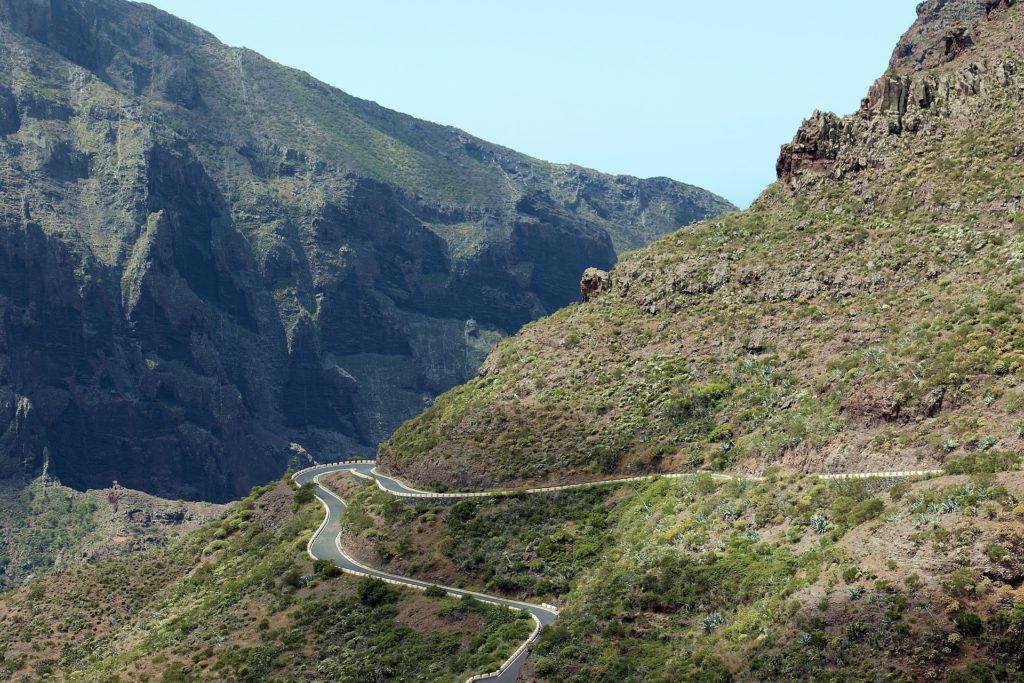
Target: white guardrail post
[513, 657]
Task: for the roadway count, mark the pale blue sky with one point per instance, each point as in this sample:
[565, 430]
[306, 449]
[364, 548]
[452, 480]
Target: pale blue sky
[700, 91]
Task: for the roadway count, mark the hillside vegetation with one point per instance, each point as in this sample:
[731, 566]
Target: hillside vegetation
[790, 578]
[44, 526]
[863, 315]
[239, 600]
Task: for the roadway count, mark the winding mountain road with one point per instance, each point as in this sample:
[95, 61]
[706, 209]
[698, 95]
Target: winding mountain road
[325, 543]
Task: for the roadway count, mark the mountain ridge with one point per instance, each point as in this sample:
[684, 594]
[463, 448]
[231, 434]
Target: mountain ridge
[226, 257]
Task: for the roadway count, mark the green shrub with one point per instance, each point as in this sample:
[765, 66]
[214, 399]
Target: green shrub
[897, 492]
[961, 582]
[303, 495]
[698, 403]
[174, 673]
[996, 552]
[968, 624]
[435, 592]
[292, 578]
[374, 592]
[326, 569]
[984, 463]
[976, 672]
[865, 510]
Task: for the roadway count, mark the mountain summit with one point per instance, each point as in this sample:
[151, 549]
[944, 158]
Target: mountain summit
[207, 257]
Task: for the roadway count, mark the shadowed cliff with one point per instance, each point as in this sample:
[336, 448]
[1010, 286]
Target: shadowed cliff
[206, 257]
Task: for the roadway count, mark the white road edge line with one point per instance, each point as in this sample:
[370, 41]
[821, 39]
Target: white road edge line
[408, 583]
[414, 493]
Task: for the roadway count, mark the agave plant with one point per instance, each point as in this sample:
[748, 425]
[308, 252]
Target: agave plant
[713, 621]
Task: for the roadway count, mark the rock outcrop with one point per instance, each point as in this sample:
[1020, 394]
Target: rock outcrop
[944, 29]
[831, 147]
[912, 96]
[594, 283]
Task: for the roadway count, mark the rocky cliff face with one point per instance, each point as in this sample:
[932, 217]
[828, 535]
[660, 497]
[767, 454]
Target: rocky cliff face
[206, 257]
[955, 54]
[863, 315]
[944, 29]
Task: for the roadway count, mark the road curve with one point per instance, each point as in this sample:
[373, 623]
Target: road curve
[401, 489]
[326, 545]
[326, 542]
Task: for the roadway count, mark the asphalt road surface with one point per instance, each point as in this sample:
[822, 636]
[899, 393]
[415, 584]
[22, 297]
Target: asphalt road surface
[325, 545]
[326, 542]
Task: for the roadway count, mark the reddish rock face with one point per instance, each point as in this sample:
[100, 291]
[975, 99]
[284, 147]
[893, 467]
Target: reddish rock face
[942, 31]
[594, 283]
[815, 147]
[911, 96]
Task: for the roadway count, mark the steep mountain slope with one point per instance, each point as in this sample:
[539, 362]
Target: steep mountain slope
[700, 580]
[206, 256]
[864, 314]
